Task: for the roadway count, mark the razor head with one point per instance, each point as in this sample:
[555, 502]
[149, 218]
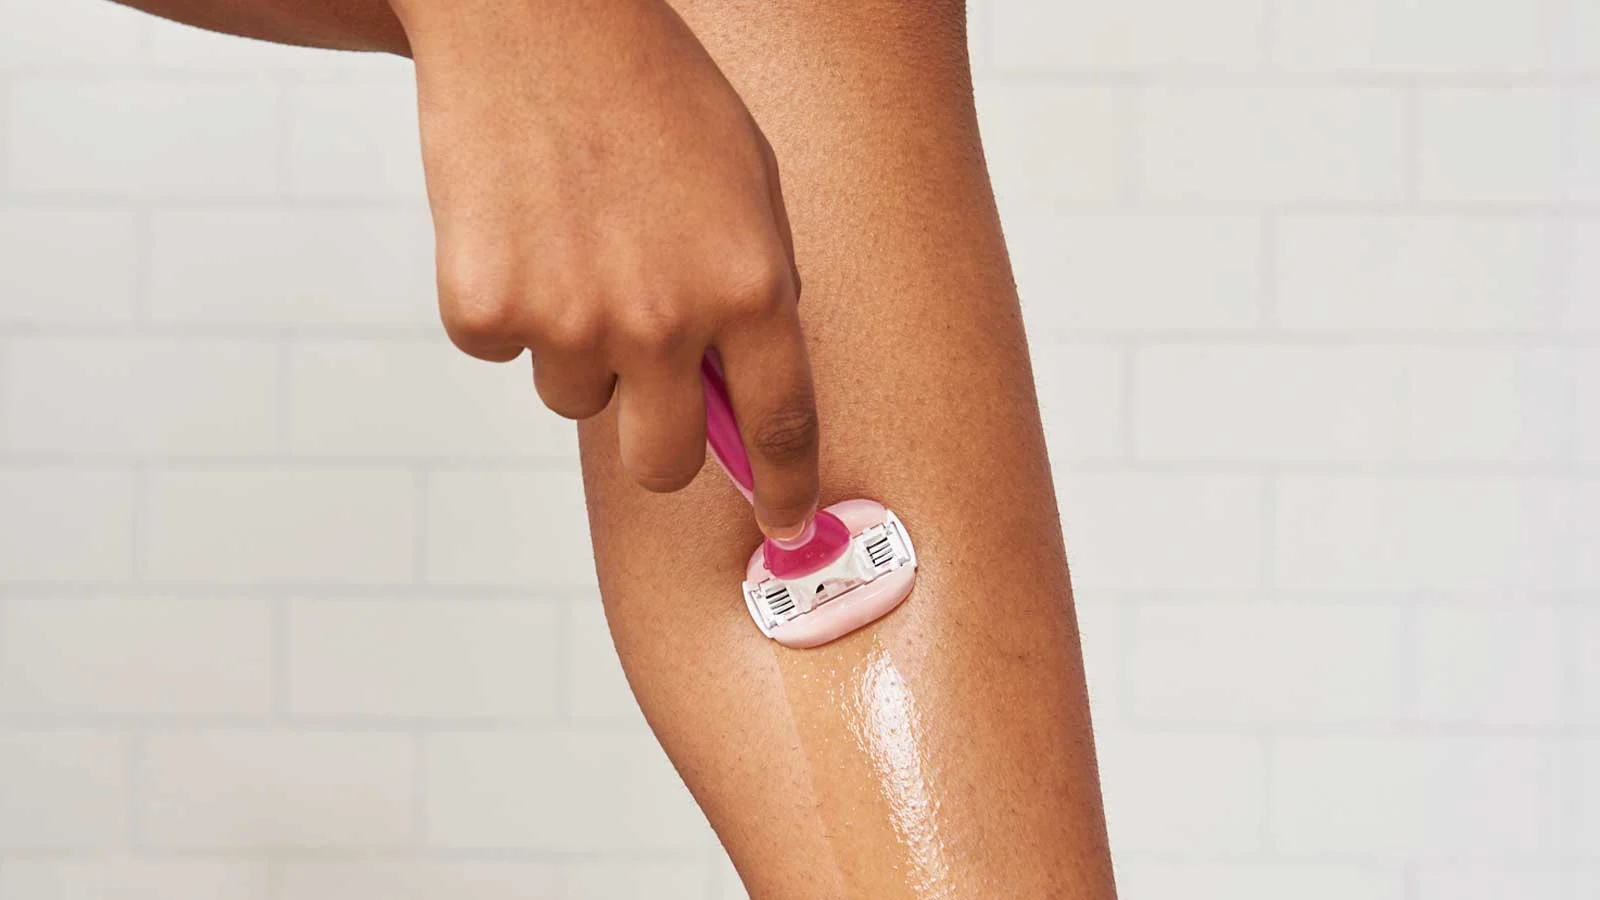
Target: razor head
[870, 578]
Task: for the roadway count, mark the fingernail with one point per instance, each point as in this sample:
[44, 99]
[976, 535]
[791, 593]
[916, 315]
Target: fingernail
[798, 536]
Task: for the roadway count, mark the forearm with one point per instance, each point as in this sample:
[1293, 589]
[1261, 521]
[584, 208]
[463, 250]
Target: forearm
[331, 24]
[944, 752]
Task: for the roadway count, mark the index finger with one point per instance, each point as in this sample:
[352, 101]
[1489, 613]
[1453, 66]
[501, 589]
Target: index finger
[768, 374]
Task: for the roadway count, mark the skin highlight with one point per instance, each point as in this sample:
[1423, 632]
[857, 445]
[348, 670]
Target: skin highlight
[882, 714]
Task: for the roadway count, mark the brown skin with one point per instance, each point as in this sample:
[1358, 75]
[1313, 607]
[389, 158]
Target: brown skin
[333, 25]
[924, 388]
[945, 751]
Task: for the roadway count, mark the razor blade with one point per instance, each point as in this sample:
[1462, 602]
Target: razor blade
[873, 575]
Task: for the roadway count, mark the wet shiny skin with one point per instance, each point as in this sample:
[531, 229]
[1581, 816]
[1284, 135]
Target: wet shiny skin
[866, 740]
[882, 715]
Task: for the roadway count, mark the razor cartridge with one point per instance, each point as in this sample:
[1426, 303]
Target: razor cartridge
[854, 565]
[872, 575]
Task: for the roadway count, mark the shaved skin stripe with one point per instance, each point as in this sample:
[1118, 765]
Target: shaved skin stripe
[882, 715]
[868, 746]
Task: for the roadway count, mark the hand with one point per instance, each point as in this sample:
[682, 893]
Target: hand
[603, 198]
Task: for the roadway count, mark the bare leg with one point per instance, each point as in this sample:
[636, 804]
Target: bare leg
[944, 752]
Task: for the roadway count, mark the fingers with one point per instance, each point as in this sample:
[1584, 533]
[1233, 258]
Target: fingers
[481, 308]
[608, 340]
[487, 312]
[769, 381]
[661, 425]
[575, 385]
[473, 340]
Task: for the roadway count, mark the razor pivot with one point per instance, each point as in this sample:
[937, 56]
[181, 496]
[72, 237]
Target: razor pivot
[877, 551]
[874, 574]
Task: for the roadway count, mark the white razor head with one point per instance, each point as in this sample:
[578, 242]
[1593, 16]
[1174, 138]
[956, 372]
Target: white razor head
[879, 548]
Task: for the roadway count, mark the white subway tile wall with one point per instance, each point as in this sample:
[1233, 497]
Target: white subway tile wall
[296, 601]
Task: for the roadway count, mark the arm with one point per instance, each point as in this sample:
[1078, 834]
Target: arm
[330, 24]
[945, 751]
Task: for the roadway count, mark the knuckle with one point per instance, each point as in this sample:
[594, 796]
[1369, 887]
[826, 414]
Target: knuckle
[574, 329]
[565, 408]
[758, 285]
[576, 411]
[788, 436]
[653, 326]
[478, 300]
[577, 403]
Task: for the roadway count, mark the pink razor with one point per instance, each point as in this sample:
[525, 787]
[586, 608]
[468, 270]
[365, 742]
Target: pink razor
[852, 566]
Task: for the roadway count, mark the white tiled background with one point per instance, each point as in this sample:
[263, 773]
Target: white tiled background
[294, 600]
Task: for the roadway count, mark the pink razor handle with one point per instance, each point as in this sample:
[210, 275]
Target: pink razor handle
[853, 565]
